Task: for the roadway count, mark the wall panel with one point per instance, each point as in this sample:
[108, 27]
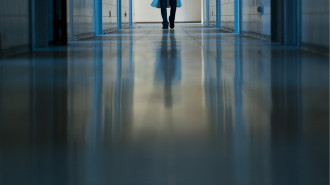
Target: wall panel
[315, 22]
[212, 12]
[124, 13]
[83, 18]
[14, 27]
[227, 14]
[252, 20]
[109, 15]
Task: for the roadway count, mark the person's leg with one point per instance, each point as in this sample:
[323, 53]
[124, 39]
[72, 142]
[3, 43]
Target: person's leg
[173, 11]
[163, 5]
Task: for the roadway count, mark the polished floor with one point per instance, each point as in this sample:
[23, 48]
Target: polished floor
[143, 106]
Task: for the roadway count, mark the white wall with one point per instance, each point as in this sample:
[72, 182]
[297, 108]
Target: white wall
[204, 11]
[254, 22]
[109, 23]
[143, 12]
[212, 12]
[83, 18]
[228, 14]
[124, 13]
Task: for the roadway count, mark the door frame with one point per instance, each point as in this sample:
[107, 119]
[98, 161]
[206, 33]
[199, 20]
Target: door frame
[207, 22]
[119, 15]
[130, 12]
[218, 14]
[98, 17]
[238, 16]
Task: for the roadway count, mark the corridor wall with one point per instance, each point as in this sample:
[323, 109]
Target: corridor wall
[124, 13]
[15, 34]
[227, 14]
[315, 24]
[109, 15]
[204, 12]
[83, 18]
[212, 13]
[253, 21]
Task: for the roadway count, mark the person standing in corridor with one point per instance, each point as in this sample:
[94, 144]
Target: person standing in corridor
[163, 4]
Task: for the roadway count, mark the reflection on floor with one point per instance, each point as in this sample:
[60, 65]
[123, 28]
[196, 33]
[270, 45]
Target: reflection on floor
[143, 106]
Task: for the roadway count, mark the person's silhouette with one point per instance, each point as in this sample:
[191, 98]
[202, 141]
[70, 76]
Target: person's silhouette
[163, 4]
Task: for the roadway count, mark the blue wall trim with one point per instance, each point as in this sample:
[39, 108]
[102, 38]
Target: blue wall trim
[207, 13]
[130, 13]
[118, 14]
[98, 16]
[238, 14]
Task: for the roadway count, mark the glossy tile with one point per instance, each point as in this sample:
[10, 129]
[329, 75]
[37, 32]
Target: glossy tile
[147, 106]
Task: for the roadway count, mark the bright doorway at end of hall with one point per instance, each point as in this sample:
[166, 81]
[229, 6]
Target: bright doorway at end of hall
[189, 13]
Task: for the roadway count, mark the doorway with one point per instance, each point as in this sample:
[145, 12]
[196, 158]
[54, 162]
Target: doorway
[286, 22]
[49, 23]
[191, 12]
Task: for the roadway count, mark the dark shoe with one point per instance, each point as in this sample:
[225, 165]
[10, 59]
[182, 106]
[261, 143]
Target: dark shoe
[165, 27]
[172, 25]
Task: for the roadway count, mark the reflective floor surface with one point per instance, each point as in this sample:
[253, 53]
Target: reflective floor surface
[143, 106]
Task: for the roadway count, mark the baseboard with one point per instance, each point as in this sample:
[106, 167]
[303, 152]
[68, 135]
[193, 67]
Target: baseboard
[212, 26]
[225, 29]
[108, 31]
[256, 35]
[317, 49]
[15, 51]
[83, 36]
